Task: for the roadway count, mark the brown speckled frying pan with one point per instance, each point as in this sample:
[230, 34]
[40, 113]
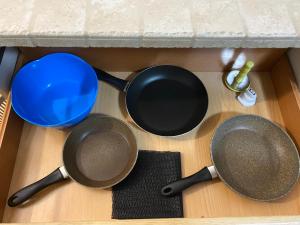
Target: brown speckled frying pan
[99, 152]
[253, 156]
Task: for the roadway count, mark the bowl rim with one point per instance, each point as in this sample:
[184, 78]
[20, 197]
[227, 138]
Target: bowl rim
[67, 122]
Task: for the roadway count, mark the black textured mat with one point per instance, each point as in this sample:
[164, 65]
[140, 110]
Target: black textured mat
[138, 196]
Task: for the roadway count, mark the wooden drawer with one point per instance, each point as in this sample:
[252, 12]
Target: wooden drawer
[28, 152]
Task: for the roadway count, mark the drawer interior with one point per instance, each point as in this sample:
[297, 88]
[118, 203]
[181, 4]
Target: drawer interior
[39, 152]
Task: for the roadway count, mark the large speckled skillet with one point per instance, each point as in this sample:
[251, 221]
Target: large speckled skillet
[253, 156]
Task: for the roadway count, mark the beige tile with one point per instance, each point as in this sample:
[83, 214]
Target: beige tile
[60, 42]
[114, 42]
[297, 44]
[268, 43]
[218, 42]
[15, 17]
[167, 20]
[266, 18]
[294, 11]
[16, 41]
[113, 19]
[151, 23]
[158, 42]
[217, 18]
[58, 18]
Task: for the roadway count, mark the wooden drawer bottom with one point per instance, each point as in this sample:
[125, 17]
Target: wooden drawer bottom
[40, 152]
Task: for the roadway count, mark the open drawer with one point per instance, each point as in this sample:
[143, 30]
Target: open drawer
[29, 152]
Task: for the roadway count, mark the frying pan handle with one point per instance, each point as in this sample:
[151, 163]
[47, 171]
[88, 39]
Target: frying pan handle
[27, 192]
[116, 82]
[206, 174]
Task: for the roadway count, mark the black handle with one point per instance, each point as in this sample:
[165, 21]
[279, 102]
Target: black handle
[27, 192]
[182, 184]
[116, 82]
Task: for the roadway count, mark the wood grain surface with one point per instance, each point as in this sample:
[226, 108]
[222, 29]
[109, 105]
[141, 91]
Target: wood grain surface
[41, 148]
[201, 60]
[10, 139]
[291, 220]
[288, 96]
[10, 135]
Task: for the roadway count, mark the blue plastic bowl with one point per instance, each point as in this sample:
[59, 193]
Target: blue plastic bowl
[57, 90]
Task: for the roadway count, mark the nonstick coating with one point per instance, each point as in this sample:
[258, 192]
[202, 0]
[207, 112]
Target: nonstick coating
[167, 100]
[255, 157]
[100, 152]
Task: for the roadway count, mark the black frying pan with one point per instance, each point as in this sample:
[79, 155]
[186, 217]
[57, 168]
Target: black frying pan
[99, 152]
[253, 156]
[164, 100]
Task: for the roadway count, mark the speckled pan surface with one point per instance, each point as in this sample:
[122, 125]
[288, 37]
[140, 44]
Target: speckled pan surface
[255, 157]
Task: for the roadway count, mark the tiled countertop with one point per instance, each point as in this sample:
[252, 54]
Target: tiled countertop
[150, 23]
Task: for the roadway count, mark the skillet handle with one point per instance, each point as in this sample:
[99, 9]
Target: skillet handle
[206, 174]
[27, 192]
[116, 82]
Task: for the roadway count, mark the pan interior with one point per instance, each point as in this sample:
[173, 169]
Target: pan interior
[102, 155]
[167, 100]
[100, 152]
[255, 157]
